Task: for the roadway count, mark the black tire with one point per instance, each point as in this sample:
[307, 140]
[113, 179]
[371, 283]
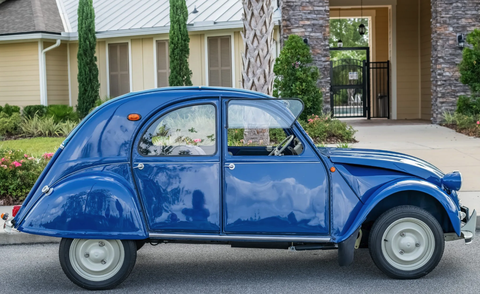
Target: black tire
[78, 265]
[140, 243]
[396, 238]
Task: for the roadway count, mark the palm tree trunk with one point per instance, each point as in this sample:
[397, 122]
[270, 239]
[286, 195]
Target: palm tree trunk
[257, 58]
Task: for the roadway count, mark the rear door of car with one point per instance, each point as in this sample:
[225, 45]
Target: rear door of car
[176, 165]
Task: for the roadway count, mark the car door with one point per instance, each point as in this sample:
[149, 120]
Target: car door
[176, 165]
[270, 194]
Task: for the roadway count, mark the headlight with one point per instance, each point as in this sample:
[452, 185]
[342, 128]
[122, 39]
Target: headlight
[453, 181]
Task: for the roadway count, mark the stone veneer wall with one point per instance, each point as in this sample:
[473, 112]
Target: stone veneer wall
[449, 18]
[310, 19]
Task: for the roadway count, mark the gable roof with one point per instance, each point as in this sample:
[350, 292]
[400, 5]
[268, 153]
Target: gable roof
[23, 16]
[118, 15]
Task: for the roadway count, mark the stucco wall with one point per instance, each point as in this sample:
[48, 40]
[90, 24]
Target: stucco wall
[56, 64]
[19, 74]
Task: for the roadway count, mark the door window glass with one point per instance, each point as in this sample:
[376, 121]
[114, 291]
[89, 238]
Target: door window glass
[188, 131]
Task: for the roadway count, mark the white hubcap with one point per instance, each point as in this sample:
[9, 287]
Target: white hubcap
[96, 260]
[408, 244]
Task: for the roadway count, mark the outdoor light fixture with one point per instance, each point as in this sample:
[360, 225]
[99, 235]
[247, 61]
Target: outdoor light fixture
[195, 9]
[461, 40]
[305, 40]
[361, 28]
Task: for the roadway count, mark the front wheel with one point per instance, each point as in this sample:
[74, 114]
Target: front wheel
[406, 242]
[97, 264]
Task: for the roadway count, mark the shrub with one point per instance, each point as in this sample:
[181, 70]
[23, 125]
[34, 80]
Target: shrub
[470, 64]
[9, 109]
[296, 77]
[464, 121]
[31, 110]
[48, 127]
[18, 173]
[468, 105]
[66, 128]
[62, 113]
[324, 129]
[10, 124]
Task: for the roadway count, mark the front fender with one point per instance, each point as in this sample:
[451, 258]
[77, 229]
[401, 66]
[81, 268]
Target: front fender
[89, 205]
[411, 184]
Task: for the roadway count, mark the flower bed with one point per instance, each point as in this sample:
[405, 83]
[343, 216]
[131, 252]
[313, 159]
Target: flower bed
[18, 173]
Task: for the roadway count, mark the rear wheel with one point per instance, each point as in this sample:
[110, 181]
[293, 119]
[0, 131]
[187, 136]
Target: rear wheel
[97, 264]
[406, 242]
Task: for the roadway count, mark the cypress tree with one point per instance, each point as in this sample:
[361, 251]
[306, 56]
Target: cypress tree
[179, 41]
[88, 85]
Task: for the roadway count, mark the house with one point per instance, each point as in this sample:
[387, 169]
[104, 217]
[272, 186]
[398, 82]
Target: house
[39, 45]
[413, 49]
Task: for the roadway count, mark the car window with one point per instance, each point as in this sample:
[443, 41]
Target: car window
[188, 131]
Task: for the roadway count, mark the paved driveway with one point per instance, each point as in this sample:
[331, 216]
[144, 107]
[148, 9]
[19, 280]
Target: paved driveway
[441, 146]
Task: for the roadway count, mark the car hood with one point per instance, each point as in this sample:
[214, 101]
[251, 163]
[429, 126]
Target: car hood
[387, 160]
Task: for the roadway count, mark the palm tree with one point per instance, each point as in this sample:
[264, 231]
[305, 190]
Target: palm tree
[257, 58]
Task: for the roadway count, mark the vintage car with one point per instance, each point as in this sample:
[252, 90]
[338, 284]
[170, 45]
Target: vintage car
[171, 165]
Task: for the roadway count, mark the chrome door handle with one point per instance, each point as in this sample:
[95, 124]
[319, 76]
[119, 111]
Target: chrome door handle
[231, 166]
[140, 166]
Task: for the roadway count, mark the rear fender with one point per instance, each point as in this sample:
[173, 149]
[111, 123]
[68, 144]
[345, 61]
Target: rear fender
[89, 205]
[412, 184]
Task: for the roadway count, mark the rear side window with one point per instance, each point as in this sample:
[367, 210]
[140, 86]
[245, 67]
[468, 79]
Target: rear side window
[187, 131]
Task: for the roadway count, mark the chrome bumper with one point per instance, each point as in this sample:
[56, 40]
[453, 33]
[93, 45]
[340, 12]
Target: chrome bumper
[467, 231]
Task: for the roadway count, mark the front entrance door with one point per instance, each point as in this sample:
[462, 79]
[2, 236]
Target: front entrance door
[176, 164]
[286, 193]
[349, 84]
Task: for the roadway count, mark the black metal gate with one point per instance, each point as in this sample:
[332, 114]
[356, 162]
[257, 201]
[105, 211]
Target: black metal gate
[349, 85]
[379, 75]
[359, 88]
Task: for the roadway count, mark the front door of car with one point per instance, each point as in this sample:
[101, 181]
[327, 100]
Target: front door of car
[268, 194]
[176, 165]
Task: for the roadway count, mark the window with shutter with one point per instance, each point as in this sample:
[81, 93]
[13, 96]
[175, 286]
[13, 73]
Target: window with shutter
[163, 64]
[118, 69]
[219, 61]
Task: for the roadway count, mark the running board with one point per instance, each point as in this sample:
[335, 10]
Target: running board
[259, 238]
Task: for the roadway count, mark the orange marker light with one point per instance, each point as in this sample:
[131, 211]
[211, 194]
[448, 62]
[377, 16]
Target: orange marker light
[134, 116]
[1, 215]
[333, 169]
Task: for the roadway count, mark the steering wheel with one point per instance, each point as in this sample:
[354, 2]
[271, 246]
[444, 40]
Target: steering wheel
[277, 151]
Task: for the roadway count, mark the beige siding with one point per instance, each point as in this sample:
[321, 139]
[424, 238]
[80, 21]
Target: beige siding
[101, 53]
[137, 64]
[196, 61]
[19, 74]
[426, 49]
[408, 60]
[381, 34]
[56, 61]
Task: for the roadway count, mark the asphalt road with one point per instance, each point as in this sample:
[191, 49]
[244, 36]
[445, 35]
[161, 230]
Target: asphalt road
[179, 268]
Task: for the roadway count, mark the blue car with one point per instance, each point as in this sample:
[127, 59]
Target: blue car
[196, 165]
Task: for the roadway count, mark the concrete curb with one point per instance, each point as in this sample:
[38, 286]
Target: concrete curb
[18, 238]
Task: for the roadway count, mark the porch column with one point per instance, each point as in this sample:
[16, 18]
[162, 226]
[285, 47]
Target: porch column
[449, 18]
[310, 19]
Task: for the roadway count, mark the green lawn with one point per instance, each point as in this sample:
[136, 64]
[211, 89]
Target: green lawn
[33, 146]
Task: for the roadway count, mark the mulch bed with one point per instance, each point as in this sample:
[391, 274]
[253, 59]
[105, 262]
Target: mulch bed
[472, 132]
